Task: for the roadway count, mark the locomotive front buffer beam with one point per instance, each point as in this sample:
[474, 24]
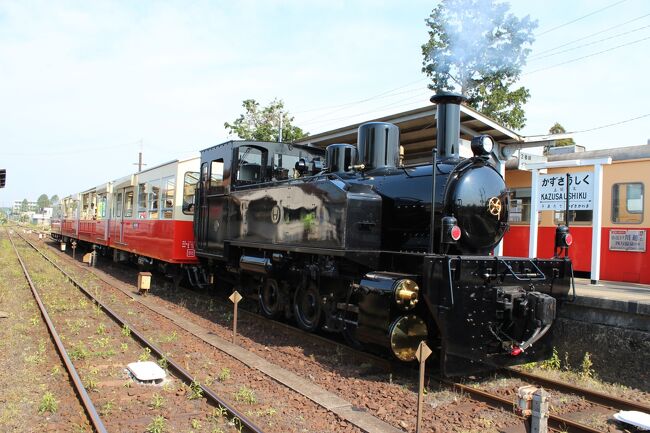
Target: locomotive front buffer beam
[493, 311]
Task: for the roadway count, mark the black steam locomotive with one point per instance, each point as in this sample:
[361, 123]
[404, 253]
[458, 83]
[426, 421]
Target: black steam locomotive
[351, 240]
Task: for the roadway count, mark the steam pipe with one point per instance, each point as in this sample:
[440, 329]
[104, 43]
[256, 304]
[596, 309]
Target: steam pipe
[432, 241]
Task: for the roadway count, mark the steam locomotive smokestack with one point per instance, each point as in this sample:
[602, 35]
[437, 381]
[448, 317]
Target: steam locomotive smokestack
[448, 123]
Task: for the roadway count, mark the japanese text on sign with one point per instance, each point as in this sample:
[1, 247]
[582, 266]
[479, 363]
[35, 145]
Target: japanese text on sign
[553, 189]
[627, 240]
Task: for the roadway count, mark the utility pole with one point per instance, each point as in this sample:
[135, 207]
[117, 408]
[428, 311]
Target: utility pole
[280, 132]
[139, 163]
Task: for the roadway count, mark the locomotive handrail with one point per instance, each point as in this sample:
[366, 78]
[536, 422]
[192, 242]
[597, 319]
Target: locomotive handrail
[539, 276]
[450, 285]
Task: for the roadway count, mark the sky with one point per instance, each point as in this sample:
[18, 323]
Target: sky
[85, 86]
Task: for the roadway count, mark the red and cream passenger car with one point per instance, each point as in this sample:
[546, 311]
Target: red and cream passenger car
[146, 216]
[624, 255]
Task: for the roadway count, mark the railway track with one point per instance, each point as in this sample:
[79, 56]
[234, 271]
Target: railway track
[556, 422]
[238, 420]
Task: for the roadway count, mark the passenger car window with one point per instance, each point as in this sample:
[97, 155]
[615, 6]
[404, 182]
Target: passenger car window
[154, 198]
[189, 187]
[627, 203]
[128, 204]
[169, 190]
[519, 205]
[142, 200]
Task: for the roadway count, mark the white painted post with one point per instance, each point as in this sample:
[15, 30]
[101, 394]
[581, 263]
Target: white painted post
[501, 166]
[597, 224]
[534, 217]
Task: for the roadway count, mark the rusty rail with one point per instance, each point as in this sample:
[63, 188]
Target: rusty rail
[180, 371]
[81, 390]
[555, 422]
[590, 395]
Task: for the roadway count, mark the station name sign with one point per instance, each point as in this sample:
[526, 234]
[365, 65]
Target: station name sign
[553, 190]
[627, 240]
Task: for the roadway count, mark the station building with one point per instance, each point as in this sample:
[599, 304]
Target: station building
[620, 213]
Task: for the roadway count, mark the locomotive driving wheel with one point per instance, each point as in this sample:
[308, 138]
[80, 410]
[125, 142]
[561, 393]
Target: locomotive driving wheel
[270, 298]
[307, 307]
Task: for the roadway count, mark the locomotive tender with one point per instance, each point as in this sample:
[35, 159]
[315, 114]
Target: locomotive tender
[389, 255]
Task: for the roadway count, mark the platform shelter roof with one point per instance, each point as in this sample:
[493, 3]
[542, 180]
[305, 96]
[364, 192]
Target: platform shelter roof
[418, 132]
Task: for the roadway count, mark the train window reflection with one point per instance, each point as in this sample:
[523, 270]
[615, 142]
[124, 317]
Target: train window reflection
[216, 175]
[118, 205]
[142, 200]
[169, 189]
[627, 203]
[128, 204]
[575, 217]
[249, 165]
[189, 186]
[284, 166]
[101, 206]
[154, 197]
[519, 206]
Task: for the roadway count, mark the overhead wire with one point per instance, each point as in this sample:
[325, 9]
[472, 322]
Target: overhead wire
[360, 101]
[348, 106]
[69, 151]
[580, 18]
[587, 56]
[393, 104]
[611, 124]
[590, 43]
[589, 36]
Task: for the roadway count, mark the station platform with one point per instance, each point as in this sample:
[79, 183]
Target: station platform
[612, 303]
[613, 290]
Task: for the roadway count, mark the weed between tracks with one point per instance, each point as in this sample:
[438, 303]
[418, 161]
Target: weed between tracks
[558, 368]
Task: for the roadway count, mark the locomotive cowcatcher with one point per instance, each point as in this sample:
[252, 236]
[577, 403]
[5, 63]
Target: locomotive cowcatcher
[351, 240]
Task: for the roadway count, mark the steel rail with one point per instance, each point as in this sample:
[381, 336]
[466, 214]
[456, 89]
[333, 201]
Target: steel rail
[592, 396]
[184, 374]
[78, 384]
[556, 422]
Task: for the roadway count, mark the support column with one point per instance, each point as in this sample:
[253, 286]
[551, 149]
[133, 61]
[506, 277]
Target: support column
[501, 167]
[534, 217]
[597, 224]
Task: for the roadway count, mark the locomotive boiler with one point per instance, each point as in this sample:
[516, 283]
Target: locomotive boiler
[351, 240]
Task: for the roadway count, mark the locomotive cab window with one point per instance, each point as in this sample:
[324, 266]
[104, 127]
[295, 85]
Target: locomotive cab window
[284, 166]
[627, 203]
[189, 187]
[250, 164]
[216, 177]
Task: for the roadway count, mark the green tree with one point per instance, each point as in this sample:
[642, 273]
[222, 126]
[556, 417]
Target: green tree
[558, 129]
[54, 200]
[24, 205]
[43, 201]
[262, 123]
[477, 48]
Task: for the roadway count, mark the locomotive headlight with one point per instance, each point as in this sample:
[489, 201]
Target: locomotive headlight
[482, 145]
[406, 293]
